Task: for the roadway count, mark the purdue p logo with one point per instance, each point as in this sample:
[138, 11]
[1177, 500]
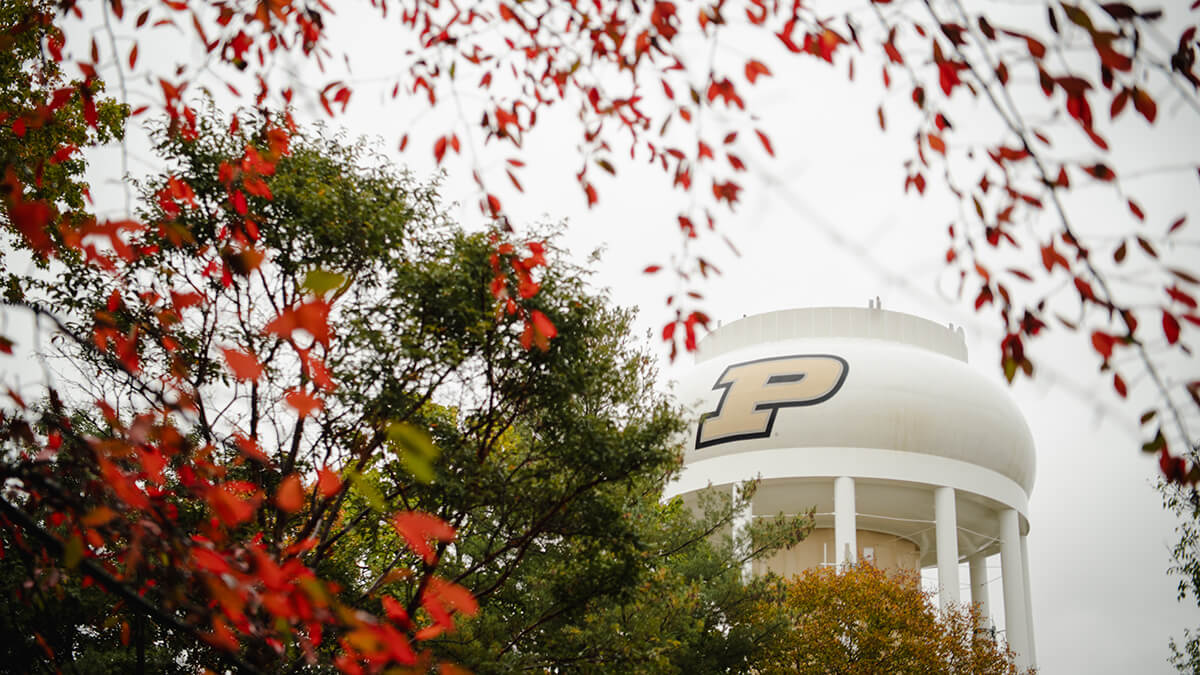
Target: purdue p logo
[756, 390]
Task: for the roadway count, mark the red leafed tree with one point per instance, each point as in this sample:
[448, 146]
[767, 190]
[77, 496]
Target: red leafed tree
[1056, 84]
[213, 526]
[1061, 90]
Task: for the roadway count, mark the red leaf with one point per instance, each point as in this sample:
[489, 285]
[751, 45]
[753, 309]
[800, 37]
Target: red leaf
[766, 142]
[1103, 344]
[304, 402]
[1136, 210]
[245, 366]
[328, 482]
[727, 192]
[1170, 327]
[1145, 105]
[1118, 103]
[290, 494]
[1179, 296]
[89, 111]
[209, 560]
[18, 128]
[650, 269]
[31, 219]
[63, 154]
[439, 149]
[948, 75]
[395, 611]
[418, 528]
[1119, 385]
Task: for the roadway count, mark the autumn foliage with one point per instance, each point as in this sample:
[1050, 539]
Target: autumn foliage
[863, 620]
[151, 494]
[636, 83]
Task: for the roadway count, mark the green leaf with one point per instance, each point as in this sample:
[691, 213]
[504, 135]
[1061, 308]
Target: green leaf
[73, 552]
[321, 281]
[368, 491]
[1156, 444]
[419, 467]
[417, 451]
[1010, 368]
[411, 438]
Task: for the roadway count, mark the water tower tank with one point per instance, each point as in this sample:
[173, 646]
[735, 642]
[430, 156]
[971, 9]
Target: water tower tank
[910, 457]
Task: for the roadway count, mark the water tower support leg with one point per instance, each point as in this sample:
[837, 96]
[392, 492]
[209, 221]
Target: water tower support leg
[946, 524]
[1028, 600]
[1011, 567]
[845, 527]
[979, 587]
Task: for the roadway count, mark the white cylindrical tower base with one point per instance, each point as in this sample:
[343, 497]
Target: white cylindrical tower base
[1012, 566]
[1028, 601]
[977, 568]
[845, 529]
[946, 523]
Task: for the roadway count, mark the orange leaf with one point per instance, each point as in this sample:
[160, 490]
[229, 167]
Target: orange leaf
[304, 402]
[418, 528]
[249, 448]
[756, 68]
[243, 364]
[453, 595]
[290, 495]
[429, 632]
[221, 636]
[98, 516]
[328, 482]
[543, 325]
[233, 502]
[314, 318]
[394, 610]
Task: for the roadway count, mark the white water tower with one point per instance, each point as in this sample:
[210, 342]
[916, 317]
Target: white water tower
[911, 458]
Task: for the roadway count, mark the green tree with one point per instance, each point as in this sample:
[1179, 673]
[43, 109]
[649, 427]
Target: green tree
[1184, 502]
[300, 268]
[45, 123]
[861, 620]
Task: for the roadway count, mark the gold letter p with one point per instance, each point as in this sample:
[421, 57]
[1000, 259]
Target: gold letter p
[756, 390]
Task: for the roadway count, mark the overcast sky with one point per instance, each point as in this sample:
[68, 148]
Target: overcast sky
[828, 224]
